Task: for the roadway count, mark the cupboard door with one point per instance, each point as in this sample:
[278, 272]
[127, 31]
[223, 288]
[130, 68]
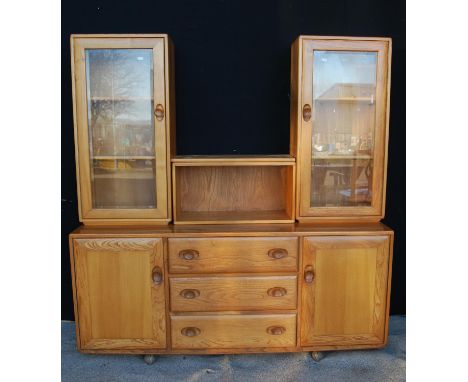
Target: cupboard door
[344, 127]
[120, 295]
[344, 290]
[120, 102]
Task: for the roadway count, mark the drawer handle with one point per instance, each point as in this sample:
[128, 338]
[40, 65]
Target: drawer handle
[277, 253]
[189, 254]
[190, 331]
[157, 276]
[309, 275]
[190, 293]
[276, 330]
[277, 292]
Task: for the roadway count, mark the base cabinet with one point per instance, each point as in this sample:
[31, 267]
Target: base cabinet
[231, 289]
[119, 293]
[344, 294]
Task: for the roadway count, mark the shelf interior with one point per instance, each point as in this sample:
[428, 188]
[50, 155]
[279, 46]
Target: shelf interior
[210, 193]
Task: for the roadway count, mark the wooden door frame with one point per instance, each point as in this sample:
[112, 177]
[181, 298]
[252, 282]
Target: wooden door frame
[159, 45]
[140, 246]
[378, 336]
[302, 83]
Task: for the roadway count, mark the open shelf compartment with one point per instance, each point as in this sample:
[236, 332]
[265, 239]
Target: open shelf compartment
[233, 189]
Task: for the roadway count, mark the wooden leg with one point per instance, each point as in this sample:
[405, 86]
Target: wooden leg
[149, 359]
[317, 355]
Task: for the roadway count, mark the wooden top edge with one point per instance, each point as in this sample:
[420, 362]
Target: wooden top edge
[254, 230]
[232, 158]
[123, 35]
[360, 38]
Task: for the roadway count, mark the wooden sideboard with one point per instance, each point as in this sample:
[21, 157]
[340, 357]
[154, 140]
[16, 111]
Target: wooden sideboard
[203, 254]
[209, 289]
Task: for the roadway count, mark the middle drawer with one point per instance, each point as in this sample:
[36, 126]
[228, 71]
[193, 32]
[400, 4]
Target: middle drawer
[204, 294]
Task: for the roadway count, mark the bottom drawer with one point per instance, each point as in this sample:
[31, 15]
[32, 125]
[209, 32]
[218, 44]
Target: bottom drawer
[233, 331]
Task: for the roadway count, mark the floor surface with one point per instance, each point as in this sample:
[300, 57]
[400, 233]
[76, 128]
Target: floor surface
[388, 364]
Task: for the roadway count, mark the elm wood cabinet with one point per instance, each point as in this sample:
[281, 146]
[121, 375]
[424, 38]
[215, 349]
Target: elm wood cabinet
[209, 289]
[123, 102]
[216, 281]
[340, 97]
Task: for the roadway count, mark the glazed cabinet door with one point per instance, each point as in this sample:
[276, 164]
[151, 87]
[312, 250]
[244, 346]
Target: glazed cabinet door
[120, 127]
[343, 118]
[120, 299]
[344, 290]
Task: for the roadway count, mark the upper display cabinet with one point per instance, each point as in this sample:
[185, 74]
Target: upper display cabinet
[340, 88]
[124, 118]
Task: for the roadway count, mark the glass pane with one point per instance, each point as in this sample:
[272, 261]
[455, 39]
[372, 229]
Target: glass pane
[343, 128]
[120, 120]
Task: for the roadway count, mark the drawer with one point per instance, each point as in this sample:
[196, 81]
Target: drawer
[204, 294]
[236, 254]
[233, 331]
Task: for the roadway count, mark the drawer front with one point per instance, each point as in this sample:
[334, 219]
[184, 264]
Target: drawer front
[237, 254]
[233, 331]
[204, 294]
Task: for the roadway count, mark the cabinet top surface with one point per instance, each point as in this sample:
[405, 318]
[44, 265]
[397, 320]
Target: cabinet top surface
[297, 229]
[313, 37]
[115, 35]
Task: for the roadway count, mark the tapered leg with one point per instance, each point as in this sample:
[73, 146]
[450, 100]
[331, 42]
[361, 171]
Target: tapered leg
[317, 355]
[149, 359]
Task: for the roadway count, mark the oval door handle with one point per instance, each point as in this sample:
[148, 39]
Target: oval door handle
[277, 292]
[309, 275]
[190, 293]
[159, 112]
[189, 254]
[307, 112]
[190, 331]
[276, 330]
[157, 276]
[278, 253]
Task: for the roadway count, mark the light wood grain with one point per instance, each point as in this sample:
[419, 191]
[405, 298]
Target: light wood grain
[301, 83]
[233, 293]
[233, 331]
[233, 191]
[88, 213]
[233, 254]
[118, 304]
[346, 301]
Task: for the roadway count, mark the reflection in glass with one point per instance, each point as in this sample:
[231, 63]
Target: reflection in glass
[343, 115]
[120, 120]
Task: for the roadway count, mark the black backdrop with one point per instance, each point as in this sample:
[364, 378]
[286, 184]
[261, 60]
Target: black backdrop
[232, 84]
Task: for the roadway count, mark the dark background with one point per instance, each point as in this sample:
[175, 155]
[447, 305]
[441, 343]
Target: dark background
[232, 73]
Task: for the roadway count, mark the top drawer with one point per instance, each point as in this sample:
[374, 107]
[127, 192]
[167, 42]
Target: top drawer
[234, 254]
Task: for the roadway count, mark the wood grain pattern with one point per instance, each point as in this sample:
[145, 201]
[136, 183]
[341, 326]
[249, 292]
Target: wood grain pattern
[233, 190]
[232, 293]
[233, 331]
[346, 301]
[118, 304]
[233, 255]
[302, 58]
[88, 214]
[238, 230]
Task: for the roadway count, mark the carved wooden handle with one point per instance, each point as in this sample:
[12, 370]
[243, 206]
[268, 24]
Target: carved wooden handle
[159, 112]
[277, 253]
[190, 331]
[189, 254]
[190, 293]
[276, 330]
[309, 275]
[277, 292]
[306, 112]
[157, 276]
